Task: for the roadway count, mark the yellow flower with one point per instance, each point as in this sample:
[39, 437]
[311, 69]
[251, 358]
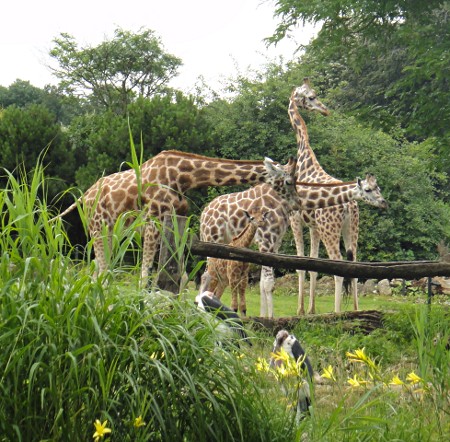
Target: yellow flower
[100, 430]
[262, 365]
[155, 355]
[139, 422]
[356, 383]
[281, 355]
[396, 381]
[360, 356]
[413, 378]
[328, 373]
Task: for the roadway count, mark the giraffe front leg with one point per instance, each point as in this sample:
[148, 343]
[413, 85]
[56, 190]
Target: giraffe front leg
[354, 289]
[338, 283]
[266, 287]
[312, 292]
[313, 253]
[297, 230]
[301, 292]
[242, 301]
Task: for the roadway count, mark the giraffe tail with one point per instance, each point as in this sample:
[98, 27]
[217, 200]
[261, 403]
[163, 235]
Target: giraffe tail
[348, 281]
[68, 210]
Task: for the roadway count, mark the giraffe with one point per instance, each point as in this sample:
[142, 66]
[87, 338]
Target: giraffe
[223, 272]
[164, 179]
[325, 224]
[224, 217]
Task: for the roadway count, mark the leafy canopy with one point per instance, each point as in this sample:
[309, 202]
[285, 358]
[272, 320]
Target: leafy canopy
[113, 73]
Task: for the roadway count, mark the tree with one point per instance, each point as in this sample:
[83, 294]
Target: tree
[113, 73]
[101, 141]
[387, 62]
[25, 134]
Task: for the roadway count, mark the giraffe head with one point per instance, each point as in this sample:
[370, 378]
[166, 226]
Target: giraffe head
[281, 177]
[305, 97]
[370, 193]
[256, 216]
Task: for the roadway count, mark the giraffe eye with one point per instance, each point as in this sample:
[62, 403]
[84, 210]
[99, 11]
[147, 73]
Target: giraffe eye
[312, 98]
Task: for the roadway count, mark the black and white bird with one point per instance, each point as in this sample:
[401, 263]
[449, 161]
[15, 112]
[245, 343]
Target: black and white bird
[289, 343]
[229, 322]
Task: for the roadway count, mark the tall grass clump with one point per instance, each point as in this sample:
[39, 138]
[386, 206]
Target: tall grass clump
[83, 357]
[403, 396]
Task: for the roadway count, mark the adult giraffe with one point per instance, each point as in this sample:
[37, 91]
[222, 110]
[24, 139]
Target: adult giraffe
[164, 179]
[325, 224]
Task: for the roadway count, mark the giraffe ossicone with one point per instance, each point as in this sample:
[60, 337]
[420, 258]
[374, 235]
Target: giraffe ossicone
[164, 179]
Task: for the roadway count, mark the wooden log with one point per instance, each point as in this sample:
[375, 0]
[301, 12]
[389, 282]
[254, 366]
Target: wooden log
[349, 269]
[363, 321]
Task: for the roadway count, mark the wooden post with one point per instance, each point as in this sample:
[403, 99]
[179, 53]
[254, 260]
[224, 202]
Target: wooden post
[171, 263]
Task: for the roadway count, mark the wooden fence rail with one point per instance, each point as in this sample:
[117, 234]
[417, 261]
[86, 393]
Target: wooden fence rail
[170, 278]
[349, 269]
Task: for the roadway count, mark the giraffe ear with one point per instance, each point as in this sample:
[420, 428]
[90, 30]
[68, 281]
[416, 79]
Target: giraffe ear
[247, 214]
[359, 181]
[272, 167]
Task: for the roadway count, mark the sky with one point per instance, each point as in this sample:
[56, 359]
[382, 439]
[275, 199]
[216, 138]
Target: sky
[214, 39]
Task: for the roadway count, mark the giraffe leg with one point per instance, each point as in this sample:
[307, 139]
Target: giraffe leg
[350, 231]
[332, 245]
[151, 238]
[338, 284]
[102, 256]
[297, 230]
[314, 253]
[241, 289]
[266, 287]
[99, 257]
[234, 297]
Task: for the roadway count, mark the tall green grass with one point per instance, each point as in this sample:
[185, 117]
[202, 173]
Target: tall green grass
[75, 349]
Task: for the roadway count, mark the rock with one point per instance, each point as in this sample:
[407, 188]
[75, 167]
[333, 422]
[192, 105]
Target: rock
[370, 287]
[384, 288]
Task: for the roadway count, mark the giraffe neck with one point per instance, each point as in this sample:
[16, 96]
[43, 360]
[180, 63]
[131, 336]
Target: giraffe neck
[318, 196]
[308, 168]
[184, 171]
[245, 238]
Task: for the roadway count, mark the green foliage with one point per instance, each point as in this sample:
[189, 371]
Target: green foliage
[25, 133]
[386, 62]
[22, 94]
[116, 71]
[100, 141]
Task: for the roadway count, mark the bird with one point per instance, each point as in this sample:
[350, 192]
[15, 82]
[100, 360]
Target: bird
[229, 322]
[290, 344]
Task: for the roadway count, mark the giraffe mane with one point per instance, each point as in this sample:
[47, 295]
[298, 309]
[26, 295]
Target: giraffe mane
[334, 184]
[206, 158]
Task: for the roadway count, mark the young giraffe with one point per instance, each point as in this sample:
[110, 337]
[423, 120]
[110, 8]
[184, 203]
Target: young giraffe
[224, 216]
[222, 272]
[165, 179]
[325, 224]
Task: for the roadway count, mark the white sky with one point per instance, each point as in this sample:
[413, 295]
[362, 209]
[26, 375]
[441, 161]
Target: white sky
[211, 37]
